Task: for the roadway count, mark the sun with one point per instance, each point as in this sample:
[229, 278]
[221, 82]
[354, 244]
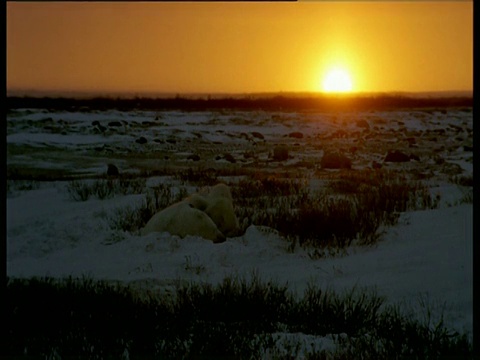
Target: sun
[337, 80]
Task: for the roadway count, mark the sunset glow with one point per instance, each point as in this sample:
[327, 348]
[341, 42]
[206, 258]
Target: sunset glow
[337, 80]
[239, 47]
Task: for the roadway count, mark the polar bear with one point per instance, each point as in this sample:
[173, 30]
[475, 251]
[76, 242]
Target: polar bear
[220, 210]
[217, 203]
[183, 219]
[197, 201]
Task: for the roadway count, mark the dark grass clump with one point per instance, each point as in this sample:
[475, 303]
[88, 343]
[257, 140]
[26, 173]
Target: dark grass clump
[462, 180]
[326, 312]
[260, 186]
[82, 190]
[352, 207]
[17, 186]
[199, 177]
[82, 318]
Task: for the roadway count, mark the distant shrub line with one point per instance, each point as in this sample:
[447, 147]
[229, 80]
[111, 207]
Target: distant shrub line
[280, 102]
[236, 319]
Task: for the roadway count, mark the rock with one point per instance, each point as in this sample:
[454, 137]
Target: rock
[249, 155]
[467, 148]
[414, 157]
[376, 165]
[229, 158]
[411, 141]
[280, 153]
[257, 135]
[296, 135]
[335, 161]
[243, 135]
[115, 123]
[363, 124]
[112, 170]
[141, 140]
[193, 157]
[396, 156]
[339, 134]
[95, 123]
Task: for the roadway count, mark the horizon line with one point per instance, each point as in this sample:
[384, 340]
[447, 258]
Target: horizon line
[216, 94]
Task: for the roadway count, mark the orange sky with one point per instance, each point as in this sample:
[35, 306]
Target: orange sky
[238, 47]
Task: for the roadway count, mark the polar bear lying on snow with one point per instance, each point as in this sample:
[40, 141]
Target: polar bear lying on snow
[208, 213]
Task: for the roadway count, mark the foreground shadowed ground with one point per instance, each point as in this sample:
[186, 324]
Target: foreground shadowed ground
[237, 318]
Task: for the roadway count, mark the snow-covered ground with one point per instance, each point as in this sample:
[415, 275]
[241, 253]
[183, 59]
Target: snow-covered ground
[427, 257]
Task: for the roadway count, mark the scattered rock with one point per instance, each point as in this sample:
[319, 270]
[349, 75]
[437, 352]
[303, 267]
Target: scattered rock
[296, 135]
[257, 135]
[112, 170]
[141, 140]
[114, 123]
[229, 158]
[193, 157]
[411, 141]
[243, 135]
[46, 120]
[363, 124]
[335, 161]
[280, 153]
[249, 155]
[396, 156]
[438, 160]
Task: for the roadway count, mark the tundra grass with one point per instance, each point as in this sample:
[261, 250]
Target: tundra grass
[78, 318]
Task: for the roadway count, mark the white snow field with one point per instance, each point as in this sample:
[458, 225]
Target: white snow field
[426, 257]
